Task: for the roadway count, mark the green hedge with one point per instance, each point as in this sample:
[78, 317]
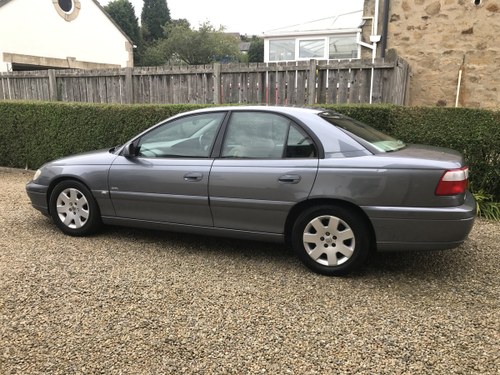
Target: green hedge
[32, 133]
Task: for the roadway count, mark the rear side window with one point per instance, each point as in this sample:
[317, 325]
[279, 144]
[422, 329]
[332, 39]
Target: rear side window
[265, 136]
[299, 144]
[378, 140]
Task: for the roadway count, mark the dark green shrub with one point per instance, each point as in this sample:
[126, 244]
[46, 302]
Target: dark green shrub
[32, 133]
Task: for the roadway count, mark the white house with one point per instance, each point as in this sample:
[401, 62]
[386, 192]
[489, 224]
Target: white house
[41, 34]
[328, 38]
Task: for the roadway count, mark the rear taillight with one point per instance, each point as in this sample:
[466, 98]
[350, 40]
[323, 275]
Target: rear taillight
[453, 182]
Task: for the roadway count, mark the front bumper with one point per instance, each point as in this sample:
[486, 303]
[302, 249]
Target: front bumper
[422, 228]
[38, 196]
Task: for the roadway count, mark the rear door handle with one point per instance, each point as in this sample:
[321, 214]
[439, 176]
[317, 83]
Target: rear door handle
[289, 179]
[193, 176]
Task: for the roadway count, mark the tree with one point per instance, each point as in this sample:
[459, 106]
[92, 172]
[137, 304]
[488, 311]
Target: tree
[256, 50]
[155, 15]
[154, 54]
[122, 12]
[202, 46]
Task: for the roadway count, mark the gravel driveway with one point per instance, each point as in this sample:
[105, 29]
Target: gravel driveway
[142, 302]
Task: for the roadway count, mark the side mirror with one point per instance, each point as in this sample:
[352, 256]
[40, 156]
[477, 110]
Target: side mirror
[131, 150]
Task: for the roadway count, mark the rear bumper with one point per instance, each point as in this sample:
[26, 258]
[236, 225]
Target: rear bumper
[38, 196]
[422, 228]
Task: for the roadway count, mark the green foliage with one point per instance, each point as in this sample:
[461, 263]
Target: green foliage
[155, 15]
[202, 46]
[486, 207]
[154, 54]
[32, 133]
[122, 12]
[256, 51]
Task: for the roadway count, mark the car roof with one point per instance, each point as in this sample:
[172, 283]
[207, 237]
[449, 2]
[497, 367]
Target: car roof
[262, 108]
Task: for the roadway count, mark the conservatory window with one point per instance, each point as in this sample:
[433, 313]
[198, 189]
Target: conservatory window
[281, 49]
[310, 49]
[343, 47]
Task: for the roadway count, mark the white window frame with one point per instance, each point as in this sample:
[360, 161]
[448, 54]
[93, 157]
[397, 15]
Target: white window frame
[326, 45]
[304, 39]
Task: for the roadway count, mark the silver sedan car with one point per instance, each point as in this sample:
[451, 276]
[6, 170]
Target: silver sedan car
[331, 187]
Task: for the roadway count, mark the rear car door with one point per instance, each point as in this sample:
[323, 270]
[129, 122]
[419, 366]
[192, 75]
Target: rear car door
[267, 164]
[168, 180]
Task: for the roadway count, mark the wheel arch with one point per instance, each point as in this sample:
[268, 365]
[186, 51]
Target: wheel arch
[59, 179]
[316, 202]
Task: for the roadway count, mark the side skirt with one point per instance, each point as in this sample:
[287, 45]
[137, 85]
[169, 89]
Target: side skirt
[207, 231]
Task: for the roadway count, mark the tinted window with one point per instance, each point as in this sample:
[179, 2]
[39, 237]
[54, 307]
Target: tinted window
[378, 140]
[299, 145]
[191, 136]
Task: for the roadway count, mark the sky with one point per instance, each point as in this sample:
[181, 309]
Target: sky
[252, 17]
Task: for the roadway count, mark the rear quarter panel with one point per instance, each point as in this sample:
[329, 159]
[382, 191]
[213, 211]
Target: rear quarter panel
[371, 181]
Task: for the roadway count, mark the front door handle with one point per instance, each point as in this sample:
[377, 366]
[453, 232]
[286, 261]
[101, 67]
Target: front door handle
[193, 176]
[289, 179]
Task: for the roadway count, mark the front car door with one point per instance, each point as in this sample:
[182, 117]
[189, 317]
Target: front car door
[267, 165]
[168, 179]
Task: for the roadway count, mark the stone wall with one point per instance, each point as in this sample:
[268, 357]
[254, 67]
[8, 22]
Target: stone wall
[441, 37]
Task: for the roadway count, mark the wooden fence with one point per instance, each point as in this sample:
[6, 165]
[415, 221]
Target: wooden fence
[272, 83]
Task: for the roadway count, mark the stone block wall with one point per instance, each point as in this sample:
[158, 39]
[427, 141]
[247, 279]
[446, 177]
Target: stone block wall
[439, 38]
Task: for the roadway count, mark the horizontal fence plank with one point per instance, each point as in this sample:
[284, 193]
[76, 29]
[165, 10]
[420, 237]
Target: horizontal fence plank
[283, 83]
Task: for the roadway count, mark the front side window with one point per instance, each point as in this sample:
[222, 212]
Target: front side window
[282, 49]
[311, 49]
[191, 136]
[343, 47]
[265, 136]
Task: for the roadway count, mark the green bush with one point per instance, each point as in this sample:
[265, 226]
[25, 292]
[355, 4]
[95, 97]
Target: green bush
[32, 133]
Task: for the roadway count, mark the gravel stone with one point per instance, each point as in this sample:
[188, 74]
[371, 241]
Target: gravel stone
[142, 302]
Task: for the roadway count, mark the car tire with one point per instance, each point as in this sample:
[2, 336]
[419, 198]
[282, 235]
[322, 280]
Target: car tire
[331, 240]
[74, 209]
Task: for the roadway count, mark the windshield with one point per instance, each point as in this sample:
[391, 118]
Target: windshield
[378, 140]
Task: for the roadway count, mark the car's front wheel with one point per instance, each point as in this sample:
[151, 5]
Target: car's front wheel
[331, 240]
[74, 209]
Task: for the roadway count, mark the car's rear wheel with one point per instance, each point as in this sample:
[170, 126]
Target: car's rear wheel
[74, 209]
[331, 240]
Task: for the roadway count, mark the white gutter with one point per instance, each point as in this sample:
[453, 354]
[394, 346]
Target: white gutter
[374, 39]
[287, 34]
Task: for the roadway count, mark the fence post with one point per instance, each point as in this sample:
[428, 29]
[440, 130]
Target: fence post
[217, 83]
[52, 85]
[311, 83]
[129, 88]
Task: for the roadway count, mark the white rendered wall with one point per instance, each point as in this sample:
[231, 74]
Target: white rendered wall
[35, 28]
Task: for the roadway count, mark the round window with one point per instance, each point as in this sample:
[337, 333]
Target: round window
[67, 9]
[66, 5]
